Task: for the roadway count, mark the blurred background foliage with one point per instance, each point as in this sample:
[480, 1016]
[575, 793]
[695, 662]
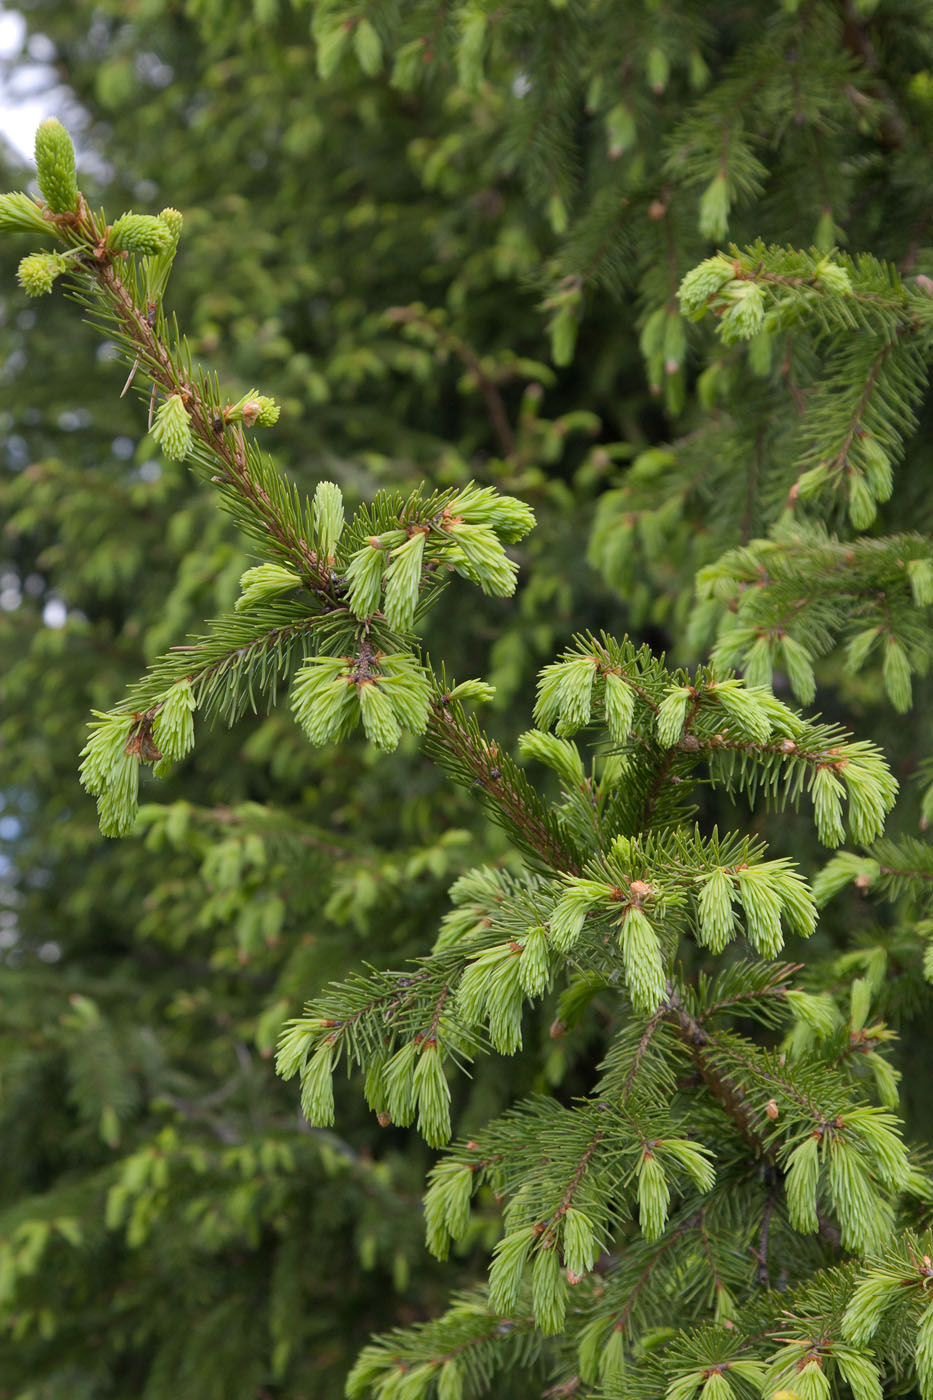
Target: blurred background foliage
[442, 271]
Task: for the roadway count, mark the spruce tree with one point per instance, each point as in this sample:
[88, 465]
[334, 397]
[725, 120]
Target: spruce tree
[693, 1202]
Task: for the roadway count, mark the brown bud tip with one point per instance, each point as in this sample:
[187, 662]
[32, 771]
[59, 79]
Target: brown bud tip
[657, 209]
[772, 1110]
[788, 746]
[557, 1030]
[924, 283]
[383, 1119]
[862, 882]
[573, 1278]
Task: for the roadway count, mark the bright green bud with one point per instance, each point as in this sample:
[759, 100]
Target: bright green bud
[459, 1194]
[557, 214]
[412, 1384]
[812, 1383]
[364, 575]
[547, 705]
[800, 1185]
[715, 909]
[762, 905]
[368, 48]
[621, 131]
[745, 316]
[871, 1299]
[820, 1013]
[675, 342]
[433, 1095]
[478, 692]
[579, 1242]
[716, 1387]
[564, 327]
[877, 467]
[684, 1387]
[548, 1292]
[858, 648]
[508, 1265]
[38, 271]
[534, 965]
[317, 1087]
[260, 410]
[833, 277]
[405, 684]
[447, 1206]
[827, 793]
[158, 266]
[799, 669]
[327, 517]
[860, 1373]
[671, 715]
[745, 707]
[559, 754]
[693, 1159]
[324, 700]
[479, 556]
[138, 233]
[265, 581]
[110, 770]
[450, 1381]
[879, 1133]
[811, 483]
[651, 340]
[568, 915]
[482, 505]
[55, 167]
[172, 428]
[798, 907]
[400, 1083]
[658, 69]
[173, 726]
[864, 1215]
[612, 1361]
[619, 704]
[654, 1196]
[473, 26]
[714, 208]
[403, 582]
[701, 283]
[862, 508]
[644, 968]
[565, 691]
[20, 214]
[920, 573]
[379, 719]
[895, 671]
[173, 221]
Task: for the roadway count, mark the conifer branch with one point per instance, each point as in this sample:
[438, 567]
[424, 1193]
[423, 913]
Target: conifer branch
[723, 1087]
[226, 448]
[672, 1238]
[502, 788]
